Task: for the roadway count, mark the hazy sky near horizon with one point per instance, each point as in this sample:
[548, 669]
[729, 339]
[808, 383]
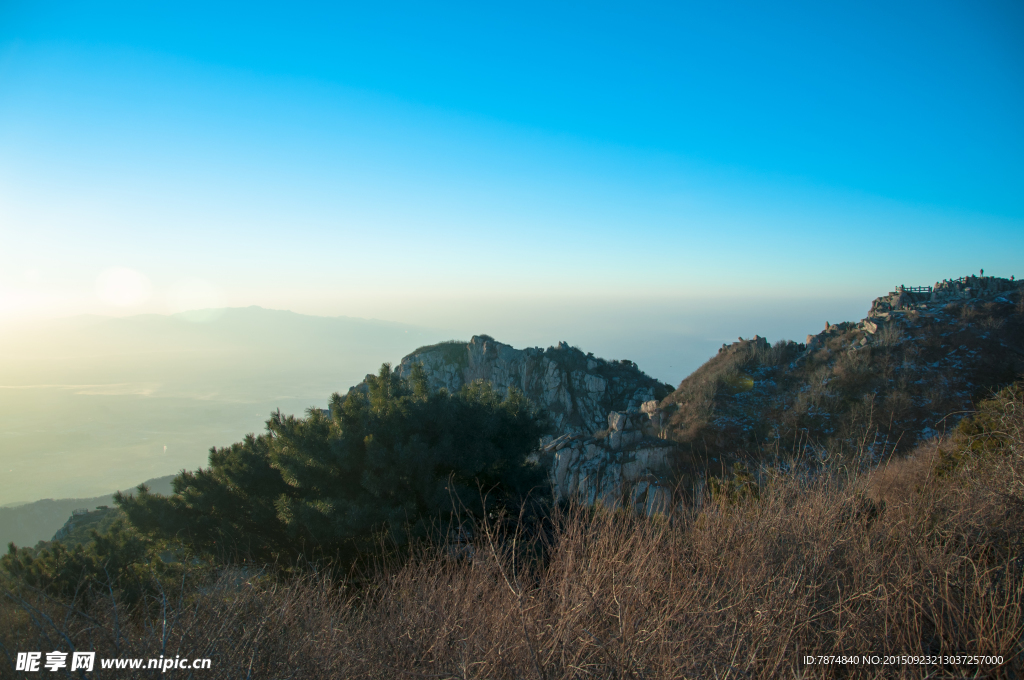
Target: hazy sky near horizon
[405, 162]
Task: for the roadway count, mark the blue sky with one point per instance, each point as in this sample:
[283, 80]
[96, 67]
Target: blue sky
[442, 164]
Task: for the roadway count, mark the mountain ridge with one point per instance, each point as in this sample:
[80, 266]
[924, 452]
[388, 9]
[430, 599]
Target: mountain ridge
[25, 524]
[920, 354]
[878, 387]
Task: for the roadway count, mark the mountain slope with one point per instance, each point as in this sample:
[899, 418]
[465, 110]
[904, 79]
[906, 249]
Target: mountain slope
[881, 384]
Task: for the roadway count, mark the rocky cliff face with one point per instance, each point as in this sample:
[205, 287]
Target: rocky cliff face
[622, 467]
[578, 390]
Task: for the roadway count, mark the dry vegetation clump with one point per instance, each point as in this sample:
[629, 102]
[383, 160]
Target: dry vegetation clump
[247, 624]
[890, 336]
[914, 558]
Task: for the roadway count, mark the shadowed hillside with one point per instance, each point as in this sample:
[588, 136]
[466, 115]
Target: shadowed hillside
[906, 372]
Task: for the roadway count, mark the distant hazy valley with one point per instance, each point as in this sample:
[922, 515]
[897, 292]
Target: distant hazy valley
[96, 404]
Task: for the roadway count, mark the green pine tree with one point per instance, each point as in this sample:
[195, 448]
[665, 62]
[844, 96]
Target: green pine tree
[390, 464]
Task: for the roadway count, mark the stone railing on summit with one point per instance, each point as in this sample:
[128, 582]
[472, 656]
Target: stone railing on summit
[951, 290]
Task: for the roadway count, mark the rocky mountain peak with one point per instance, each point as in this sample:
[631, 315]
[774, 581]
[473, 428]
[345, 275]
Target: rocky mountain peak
[577, 389]
[963, 289]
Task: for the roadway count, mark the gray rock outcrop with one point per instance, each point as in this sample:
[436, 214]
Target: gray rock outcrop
[578, 390]
[622, 467]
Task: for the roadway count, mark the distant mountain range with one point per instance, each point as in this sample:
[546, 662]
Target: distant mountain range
[182, 354]
[27, 524]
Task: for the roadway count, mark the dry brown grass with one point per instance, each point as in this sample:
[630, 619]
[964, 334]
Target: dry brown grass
[900, 480]
[816, 566]
[890, 335]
